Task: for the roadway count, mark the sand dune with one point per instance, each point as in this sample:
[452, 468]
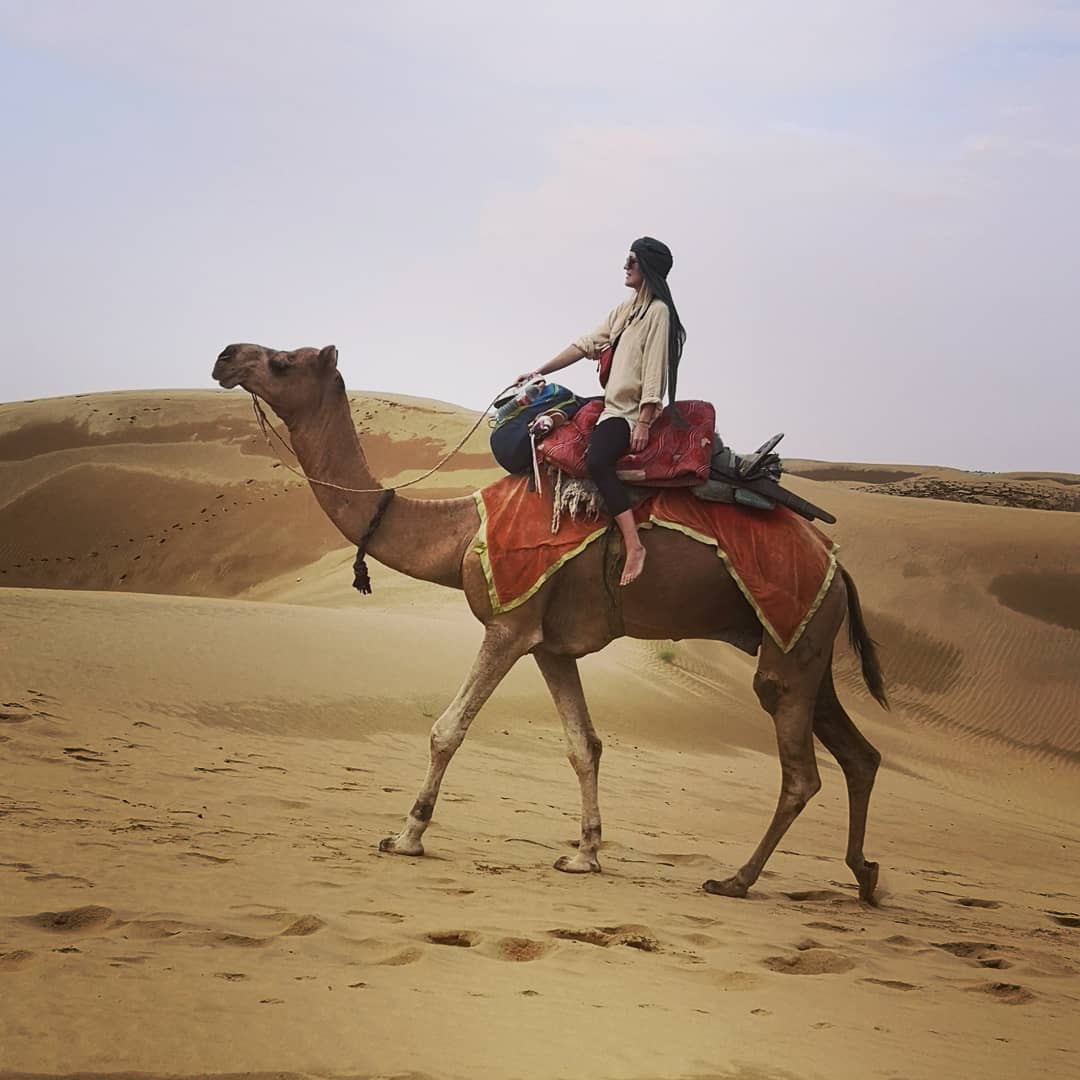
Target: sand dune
[205, 732]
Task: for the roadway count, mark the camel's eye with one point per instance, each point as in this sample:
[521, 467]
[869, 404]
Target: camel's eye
[278, 364]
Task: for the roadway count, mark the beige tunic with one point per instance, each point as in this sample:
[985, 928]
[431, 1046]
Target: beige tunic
[639, 367]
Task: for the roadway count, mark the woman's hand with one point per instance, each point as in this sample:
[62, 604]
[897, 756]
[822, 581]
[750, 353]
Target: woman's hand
[527, 376]
[639, 437]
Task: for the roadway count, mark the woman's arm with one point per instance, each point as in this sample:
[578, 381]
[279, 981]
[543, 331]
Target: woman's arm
[639, 434]
[653, 374]
[570, 355]
[586, 345]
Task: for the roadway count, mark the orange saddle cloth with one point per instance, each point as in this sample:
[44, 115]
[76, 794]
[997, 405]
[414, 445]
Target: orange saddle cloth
[781, 562]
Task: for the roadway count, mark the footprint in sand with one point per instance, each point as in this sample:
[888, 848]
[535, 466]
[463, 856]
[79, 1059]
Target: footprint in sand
[462, 939]
[304, 926]
[400, 959]
[735, 980]
[812, 961]
[231, 976]
[17, 958]
[1005, 993]
[81, 919]
[633, 937]
[975, 901]
[967, 950]
[520, 950]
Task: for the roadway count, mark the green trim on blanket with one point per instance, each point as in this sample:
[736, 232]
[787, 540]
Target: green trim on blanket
[702, 538]
[829, 575]
[481, 548]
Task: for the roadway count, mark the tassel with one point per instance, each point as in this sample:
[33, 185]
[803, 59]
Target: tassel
[361, 580]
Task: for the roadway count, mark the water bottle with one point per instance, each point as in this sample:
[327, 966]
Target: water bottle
[522, 397]
[529, 392]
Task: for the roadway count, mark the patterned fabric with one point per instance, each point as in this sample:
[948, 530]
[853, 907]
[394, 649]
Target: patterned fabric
[782, 564]
[674, 456]
[515, 542]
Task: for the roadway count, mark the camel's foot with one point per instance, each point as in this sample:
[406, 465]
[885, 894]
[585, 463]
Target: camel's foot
[578, 864]
[867, 877]
[398, 845]
[731, 886]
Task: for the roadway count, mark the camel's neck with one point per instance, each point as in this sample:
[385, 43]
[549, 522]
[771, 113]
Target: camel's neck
[425, 539]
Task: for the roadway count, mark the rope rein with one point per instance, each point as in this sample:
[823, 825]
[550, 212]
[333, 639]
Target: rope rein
[267, 428]
[361, 578]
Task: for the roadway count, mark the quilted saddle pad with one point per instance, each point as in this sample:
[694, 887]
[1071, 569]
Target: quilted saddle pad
[674, 457]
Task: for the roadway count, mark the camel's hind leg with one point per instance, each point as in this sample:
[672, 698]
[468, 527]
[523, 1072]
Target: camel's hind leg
[501, 649]
[787, 686]
[859, 760]
[583, 748]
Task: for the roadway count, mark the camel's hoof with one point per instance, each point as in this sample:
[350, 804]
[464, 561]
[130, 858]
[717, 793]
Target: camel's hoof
[728, 887]
[577, 864]
[867, 877]
[394, 846]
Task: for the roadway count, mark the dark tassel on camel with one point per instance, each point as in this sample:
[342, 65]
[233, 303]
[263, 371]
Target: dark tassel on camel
[361, 578]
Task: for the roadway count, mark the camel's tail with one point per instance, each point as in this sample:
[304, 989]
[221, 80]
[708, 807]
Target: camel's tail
[864, 645]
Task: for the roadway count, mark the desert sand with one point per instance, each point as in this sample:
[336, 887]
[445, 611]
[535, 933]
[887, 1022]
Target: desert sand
[204, 733]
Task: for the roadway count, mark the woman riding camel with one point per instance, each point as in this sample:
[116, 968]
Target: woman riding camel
[647, 339]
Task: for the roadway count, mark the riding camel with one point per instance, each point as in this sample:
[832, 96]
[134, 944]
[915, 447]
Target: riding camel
[684, 592]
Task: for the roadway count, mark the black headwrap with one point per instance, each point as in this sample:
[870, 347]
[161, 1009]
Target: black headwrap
[655, 261]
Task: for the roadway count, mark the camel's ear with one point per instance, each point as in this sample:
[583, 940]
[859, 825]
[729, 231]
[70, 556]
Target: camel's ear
[328, 358]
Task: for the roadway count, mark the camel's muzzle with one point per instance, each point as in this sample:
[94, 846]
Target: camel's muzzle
[221, 373]
[225, 378]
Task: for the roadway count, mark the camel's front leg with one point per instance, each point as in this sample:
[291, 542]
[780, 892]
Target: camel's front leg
[583, 746]
[502, 647]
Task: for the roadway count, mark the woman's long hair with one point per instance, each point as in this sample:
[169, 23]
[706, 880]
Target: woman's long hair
[655, 261]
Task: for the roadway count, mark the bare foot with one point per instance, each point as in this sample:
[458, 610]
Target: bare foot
[577, 864]
[635, 563]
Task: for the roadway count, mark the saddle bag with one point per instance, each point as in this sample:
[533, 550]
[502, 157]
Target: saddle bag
[510, 443]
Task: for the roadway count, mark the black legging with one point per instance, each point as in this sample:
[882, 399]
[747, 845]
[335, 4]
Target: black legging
[610, 440]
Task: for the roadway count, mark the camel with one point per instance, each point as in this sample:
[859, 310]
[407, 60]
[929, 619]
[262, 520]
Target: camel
[684, 592]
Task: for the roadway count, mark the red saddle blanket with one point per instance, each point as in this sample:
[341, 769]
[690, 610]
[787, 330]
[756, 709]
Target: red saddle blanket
[782, 563]
[674, 457]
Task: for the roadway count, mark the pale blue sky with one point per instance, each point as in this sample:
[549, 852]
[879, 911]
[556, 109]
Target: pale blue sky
[873, 206]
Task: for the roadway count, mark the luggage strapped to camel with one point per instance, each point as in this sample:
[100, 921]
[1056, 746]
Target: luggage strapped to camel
[689, 455]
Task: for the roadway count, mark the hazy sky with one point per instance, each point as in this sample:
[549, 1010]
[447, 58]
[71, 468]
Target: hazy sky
[874, 206]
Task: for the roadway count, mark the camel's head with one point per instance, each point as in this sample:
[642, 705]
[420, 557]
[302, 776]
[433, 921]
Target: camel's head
[289, 382]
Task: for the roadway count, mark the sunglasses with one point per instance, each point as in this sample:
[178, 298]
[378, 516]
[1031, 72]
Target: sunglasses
[631, 260]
